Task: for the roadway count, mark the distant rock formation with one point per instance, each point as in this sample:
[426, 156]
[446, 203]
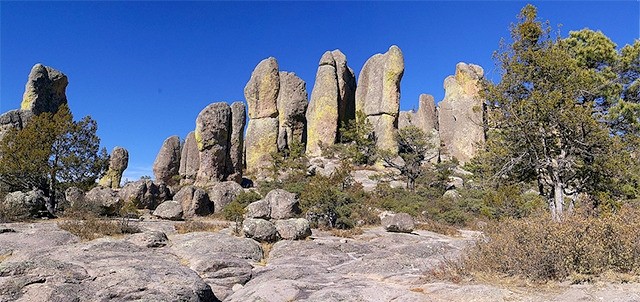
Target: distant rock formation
[426, 119]
[167, 164]
[118, 162]
[189, 159]
[332, 101]
[460, 114]
[213, 127]
[292, 106]
[378, 95]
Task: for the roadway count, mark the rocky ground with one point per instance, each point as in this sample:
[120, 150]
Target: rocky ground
[40, 262]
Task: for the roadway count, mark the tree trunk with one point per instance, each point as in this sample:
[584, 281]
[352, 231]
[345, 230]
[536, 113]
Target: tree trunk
[557, 203]
[51, 202]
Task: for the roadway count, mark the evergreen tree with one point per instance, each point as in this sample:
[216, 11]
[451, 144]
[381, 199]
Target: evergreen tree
[413, 144]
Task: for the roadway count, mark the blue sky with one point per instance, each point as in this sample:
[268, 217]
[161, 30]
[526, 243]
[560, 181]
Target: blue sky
[144, 70]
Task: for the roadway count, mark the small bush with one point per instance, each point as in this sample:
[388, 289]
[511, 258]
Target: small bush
[198, 226]
[537, 248]
[93, 228]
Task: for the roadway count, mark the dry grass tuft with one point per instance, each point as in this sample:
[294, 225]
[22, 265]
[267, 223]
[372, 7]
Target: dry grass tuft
[346, 233]
[199, 226]
[266, 249]
[94, 228]
[437, 227]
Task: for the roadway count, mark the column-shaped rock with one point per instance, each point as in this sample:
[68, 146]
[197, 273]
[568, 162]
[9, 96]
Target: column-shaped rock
[261, 93]
[460, 113]
[236, 142]
[346, 88]
[212, 137]
[167, 164]
[118, 162]
[292, 107]
[378, 95]
[322, 114]
[45, 90]
[189, 159]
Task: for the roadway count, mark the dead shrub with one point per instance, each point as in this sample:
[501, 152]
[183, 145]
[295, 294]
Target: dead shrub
[346, 233]
[199, 226]
[437, 227]
[94, 228]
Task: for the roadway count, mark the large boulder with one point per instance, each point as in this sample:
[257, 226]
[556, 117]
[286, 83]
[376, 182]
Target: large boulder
[145, 194]
[283, 204]
[212, 136]
[292, 107]
[106, 199]
[398, 223]
[223, 193]
[261, 92]
[118, 162]
[322, 114]
[293, 229]
[259, 230]
[378, 94]
[460, 113]
[258, 209]
[194, 201]
[23, 205]
[14, 119]
[170, 209]
[45, 90]
[236, 142]
[189, 158]
[167, 164]
[74, 196]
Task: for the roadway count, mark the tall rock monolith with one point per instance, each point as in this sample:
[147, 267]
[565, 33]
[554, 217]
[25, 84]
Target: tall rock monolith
[166, 167]
[236, 142]
[213, 127]
[45, 90]
[425, 119]
[189, 159]
[292, 107]
[118, 162]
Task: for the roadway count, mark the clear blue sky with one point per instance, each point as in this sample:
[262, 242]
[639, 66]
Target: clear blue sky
[144, 70]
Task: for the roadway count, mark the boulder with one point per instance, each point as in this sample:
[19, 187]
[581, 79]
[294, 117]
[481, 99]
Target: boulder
[118, 162]
[149, 239]
[293, 229]
[194, 201]
[74, 196]
[24, 205]
[452, 194]
[454, 182]
[282, 204]
[170, 209]
[460, 113]
[292, 107]
[222, 194]
[398, 223]
[145, 194]
[261, 92]
[258, 209]
[378, 94]
[106, 199]
[236, 145]
[189, 158]
[45, 90]
[260, 142]
[212, 135]
[322, 114]
[167, 164]
[259, 230]
[14, 119]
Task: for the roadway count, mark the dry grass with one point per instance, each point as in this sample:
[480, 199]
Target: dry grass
[437, 227]
[579, 249]
[346, 233]
[94, 228]
[4, 257]
[266, 249]
[199, 226]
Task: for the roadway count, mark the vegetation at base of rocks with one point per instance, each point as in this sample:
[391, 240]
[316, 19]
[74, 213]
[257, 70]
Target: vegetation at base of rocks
[52, 153]
[537, 249]
[357, 143]
[234, 211]
[198, 226]
[413, 145]
[94, 228]
[437, 227]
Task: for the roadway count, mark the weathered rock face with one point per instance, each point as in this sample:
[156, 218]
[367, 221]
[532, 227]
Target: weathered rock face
[346, 88]
[45, 90]
[106, 199]
[293, 229]
[167, 164]
[13, 119]
[73, 196]
[223, 194]
[212, 136]
[261, 93]
[25, 205]
[144, 193]
[399, 223]
[118, 162]
[292, 107]
[170, 209]
[236, 142]
[259, 230]
[189, 159]
[378, 94]
[426, 119]
[322, 116]
[460, 114]
[194, 201]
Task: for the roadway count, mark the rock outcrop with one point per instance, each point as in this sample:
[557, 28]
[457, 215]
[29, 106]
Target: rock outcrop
[189, 159]
[24, 205]
[145, 194]
[170, 209]
[261, 93]
[236, 144]
[398, 223]
[194, 201]
[106, 200]
[378, 95]
[332, 101]
[167, 164]
[460, 114]
[45, 90]
[118, 162]
[292, 107]
[272, 218]
[223, 193]
[425, 119]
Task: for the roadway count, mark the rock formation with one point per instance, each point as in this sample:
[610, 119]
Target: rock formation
[212, 137]
[332, 101]
[167, 164]
[272, 218]
[261, 93]
[460, 114]
[378, 95]
[292, 106]
[189, 159]
[145, 194]
[426, 119]
[118, 162]
[194, 201]
[236, 143]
